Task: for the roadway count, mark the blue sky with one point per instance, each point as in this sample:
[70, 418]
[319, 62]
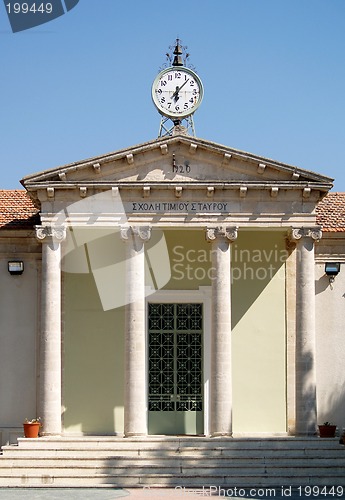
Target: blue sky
[80, 86]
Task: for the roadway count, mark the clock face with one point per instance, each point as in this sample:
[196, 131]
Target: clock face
[177, 92]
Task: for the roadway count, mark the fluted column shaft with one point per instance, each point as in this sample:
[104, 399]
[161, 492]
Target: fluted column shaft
[50, 333]
[221, 362]
[135, 411]
[306, 403]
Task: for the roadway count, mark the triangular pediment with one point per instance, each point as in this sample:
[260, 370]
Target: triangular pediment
[178, 159]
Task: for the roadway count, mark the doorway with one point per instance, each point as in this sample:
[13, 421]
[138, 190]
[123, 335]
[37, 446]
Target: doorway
[175, 368]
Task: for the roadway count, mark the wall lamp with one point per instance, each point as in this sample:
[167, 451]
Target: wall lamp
[15, 267]
[332, 269]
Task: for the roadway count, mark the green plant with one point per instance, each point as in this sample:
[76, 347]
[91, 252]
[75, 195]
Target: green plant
[36, 420]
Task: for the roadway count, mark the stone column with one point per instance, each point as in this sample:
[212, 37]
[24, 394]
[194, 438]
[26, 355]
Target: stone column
[135, 331]
[50, 334]
[306, 404]
[221, 365]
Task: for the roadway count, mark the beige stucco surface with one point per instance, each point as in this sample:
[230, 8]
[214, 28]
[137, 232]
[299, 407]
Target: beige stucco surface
[18, 353]
[330, 342]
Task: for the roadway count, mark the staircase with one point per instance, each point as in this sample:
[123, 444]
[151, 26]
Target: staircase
[172, 461]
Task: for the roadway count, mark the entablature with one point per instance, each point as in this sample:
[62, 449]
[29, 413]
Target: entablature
[248, 190]
[180, 180]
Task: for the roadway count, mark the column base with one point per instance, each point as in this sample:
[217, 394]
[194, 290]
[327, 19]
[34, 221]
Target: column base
[221, 435]
[135, 434]
[50, 434]
[306, 434]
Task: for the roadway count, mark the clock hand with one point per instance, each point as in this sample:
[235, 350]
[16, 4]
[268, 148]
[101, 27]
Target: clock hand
[175, 94]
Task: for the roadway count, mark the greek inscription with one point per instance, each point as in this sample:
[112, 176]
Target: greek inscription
[183, 207]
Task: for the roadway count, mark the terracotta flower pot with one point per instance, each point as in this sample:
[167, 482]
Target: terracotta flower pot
[327, 431]
[31, 430]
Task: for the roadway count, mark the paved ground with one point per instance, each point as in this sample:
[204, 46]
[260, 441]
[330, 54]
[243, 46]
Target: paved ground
[61, 494]
[302, 493]
[93, 494]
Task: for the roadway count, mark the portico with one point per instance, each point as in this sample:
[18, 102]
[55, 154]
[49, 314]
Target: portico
[128, 226]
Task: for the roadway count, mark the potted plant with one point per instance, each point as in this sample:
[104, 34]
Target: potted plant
[327, 430]
[32, 427]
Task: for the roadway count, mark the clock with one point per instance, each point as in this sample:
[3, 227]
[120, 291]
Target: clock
[177, 92]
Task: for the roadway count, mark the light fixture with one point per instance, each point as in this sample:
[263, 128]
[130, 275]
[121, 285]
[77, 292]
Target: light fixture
[15, 267]
[332, 269]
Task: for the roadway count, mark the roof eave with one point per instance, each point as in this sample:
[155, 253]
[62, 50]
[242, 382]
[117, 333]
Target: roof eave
[156, 143]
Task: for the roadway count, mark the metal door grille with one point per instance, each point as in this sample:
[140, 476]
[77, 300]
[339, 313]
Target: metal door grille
[175, 357]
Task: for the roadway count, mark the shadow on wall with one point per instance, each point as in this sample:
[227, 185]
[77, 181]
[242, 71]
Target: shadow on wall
[330, 348]
[331, 404]
[334, 408]
[321, 284]
[306, 409]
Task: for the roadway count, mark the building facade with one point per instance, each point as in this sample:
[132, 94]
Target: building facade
[177, 287]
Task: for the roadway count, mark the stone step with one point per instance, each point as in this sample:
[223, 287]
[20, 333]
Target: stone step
[177, 472]
[185, 442]
[172, 462]
[19, 453]
[167, 480]
[173, 443]
[42, 448]
[69, 461]
[174, 447]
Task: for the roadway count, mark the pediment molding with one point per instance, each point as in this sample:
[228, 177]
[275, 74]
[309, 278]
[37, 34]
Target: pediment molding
[178, 160]
[180, 181]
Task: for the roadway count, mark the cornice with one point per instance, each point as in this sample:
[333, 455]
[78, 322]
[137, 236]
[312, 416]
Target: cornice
[102, 185]
[164, 145]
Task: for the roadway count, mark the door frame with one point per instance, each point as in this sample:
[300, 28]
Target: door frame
[202, 296]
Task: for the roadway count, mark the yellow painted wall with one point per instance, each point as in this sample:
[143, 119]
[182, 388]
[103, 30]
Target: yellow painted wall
[94, 338]
[259, 338]
[258, 318]
[190, 259]
[92, 361]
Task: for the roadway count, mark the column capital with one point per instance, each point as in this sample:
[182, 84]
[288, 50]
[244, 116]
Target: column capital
[297, 233]
[50, 233]
[142, 232]
[228, 233]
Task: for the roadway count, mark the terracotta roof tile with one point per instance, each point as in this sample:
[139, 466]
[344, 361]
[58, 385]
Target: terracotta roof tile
[17, 210]
[330, 212]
